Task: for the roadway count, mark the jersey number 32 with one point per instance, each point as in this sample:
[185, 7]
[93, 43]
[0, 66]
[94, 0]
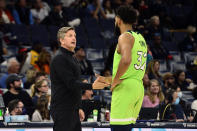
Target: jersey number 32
[141, 65]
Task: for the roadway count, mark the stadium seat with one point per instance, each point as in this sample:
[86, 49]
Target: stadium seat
[3, 69]
[21, 31]
[53, 32]
[97, 42]
[189, 56]
[107, 24]
[82, 39]
[163, 66]
[93, 54]
[98, 65]
[171, 46]
[179, 36]
[174, 66]
[176, 55]
[187, 96]
[92, 27]
[12, 50]
[37, 32]
[106, 96]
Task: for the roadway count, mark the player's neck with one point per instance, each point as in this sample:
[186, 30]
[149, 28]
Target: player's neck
[125, 28]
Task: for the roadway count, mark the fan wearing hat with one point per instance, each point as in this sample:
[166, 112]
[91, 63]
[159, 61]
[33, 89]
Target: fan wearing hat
[13, 83]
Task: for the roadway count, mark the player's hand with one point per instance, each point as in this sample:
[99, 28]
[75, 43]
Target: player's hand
[115, 83]
[99, 83]
[81, 115]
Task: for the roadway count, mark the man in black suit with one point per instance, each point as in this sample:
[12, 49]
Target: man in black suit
[66, 85]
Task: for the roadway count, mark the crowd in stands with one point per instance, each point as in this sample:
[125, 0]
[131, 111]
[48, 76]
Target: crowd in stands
[169, 27]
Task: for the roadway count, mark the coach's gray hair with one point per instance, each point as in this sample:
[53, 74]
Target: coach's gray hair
[61, 32]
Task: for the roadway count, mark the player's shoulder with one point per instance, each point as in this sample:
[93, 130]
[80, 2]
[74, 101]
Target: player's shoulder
[126, 36]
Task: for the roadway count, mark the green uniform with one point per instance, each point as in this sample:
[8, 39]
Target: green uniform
[127, 97]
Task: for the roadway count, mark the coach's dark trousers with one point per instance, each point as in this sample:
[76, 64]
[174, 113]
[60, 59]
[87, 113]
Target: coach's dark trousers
[66, 120]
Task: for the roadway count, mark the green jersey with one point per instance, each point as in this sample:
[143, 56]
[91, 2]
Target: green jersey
[127, 97]
[137, 67]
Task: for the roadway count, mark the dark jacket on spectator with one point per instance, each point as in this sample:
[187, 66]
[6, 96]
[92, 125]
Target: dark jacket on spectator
[86, 67]
[1, 51]
[23, 96]
[159, 52]
[23, 16]
[57, 19]
[172, 112]
[188, 44]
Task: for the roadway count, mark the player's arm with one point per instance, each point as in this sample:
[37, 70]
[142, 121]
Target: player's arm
[125, 45]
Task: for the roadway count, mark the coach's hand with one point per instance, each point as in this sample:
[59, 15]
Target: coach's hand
[99, 83]
[81, 115]
[103, 79]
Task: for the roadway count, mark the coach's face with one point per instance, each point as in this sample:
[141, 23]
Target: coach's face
[69, 41]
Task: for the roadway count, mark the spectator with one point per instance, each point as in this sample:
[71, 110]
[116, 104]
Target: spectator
[22, 14]
[152, 28]
[154, 95]
[85, 65]
[15, 91]
[41, 88]
[146, 81]
[15, 107]
[87, 94]
[159, 51]
[88, 104]
[32, 57]
[12, 67]
[191, 70]
[54, 47]
[110, 56]
[39, 76]
[153, 71]
[21, 56]
[5, 15]
[171, 109]
[129, 2]
[42, 64]
[182, 102]
[116, 3]
[144, 10]
[169, 80]
[149, 56]
[41, 113]
[67, 3]
[158, 8]
[194, 103]
[40, 11]
[1, 50]
[59, 17]
[95, 10]
[30, 76]
[109, 12]
[106, 72]
[35, 52]
[190, 41]
[181, 81]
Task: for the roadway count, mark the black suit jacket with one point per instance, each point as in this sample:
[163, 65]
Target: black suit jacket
[65, 81]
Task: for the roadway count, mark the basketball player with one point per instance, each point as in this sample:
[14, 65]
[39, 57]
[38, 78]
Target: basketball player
[128, 70]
